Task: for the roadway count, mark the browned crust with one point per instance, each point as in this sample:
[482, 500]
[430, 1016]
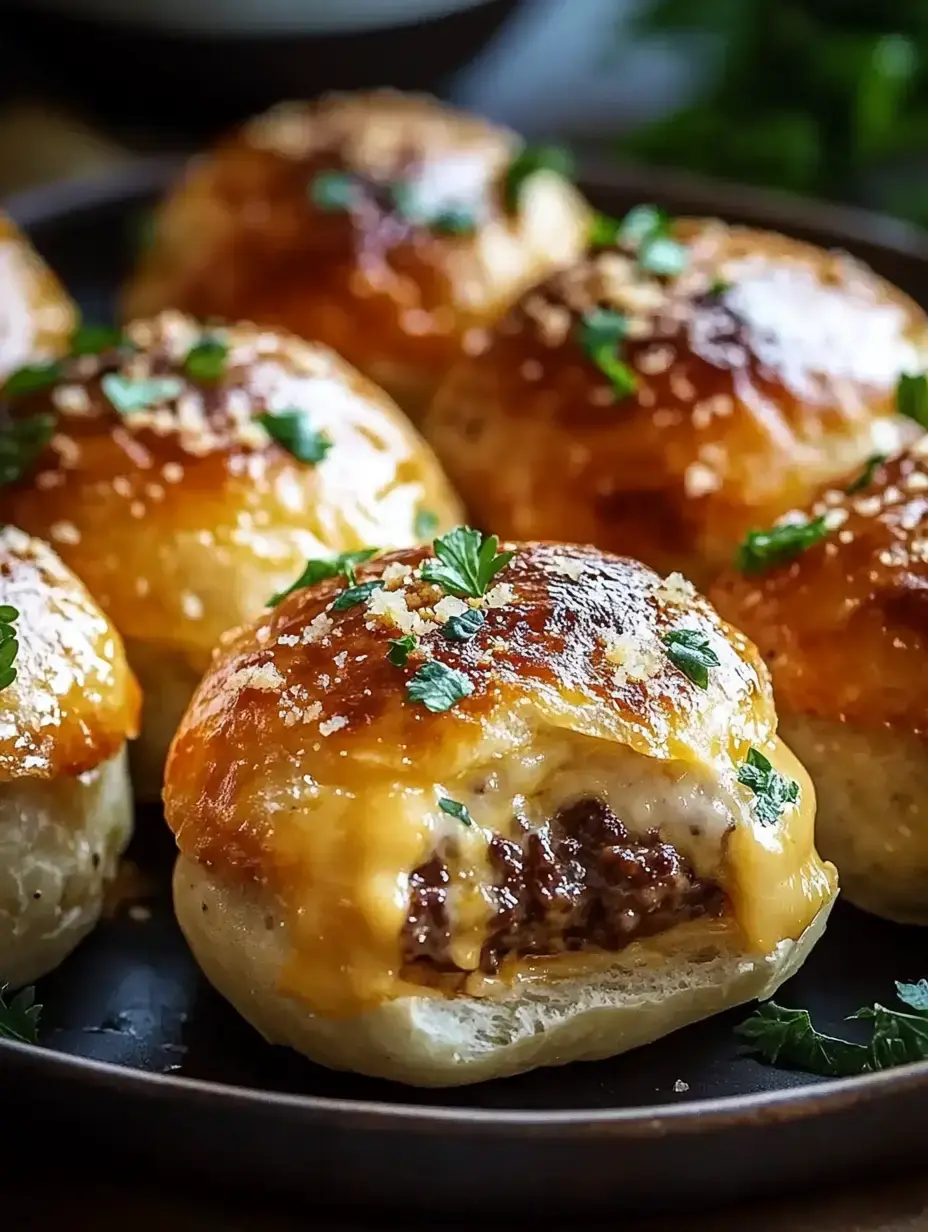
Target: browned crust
[749, 397]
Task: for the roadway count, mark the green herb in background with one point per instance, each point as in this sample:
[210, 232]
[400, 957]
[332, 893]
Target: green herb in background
[19, 1017]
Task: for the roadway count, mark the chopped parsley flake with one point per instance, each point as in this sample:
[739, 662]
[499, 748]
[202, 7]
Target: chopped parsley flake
[356, 594]
[865, 478]
[318, 570]
[912, 397]
[425, 524]
[600, 334]
[689, 650]
[438, 687]
[719, 287]
[9, 646]
[207, 360]
[293, 431]
[19, 1018]
[646, 230]
[528, 162]
[400, 650]
[21, 443]
[462, 628]
[772, 791]
[765, 548]
[467, 562]
[333, 191]
[127, 396]
[455, 809]
[92, 339]
[604, 230]
[31, 378]
[640, 223]
[455, 218]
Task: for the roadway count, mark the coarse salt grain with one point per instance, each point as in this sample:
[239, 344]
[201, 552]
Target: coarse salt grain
[500, 595]
[633, 661]
[261, 676]
[566, 567]
[318, 628]
[336, 723]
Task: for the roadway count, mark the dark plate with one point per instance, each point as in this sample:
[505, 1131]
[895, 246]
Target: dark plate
[139, 1053]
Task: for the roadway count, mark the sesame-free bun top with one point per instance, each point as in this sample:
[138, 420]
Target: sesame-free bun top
[843, 624]
[376, 223]
[764, 369]
[36, 315]
[180, 511]
[73, 702]
[305, 766]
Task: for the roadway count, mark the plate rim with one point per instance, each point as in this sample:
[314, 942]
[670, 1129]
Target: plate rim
[848, 225]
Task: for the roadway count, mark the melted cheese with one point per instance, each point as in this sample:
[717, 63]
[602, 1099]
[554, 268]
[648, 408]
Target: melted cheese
[345, 858]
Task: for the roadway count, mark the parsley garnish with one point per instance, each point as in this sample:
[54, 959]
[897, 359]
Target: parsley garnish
[912, 397]
[456, 218]
[689, 650]
[646, 229]
[333, 191]
[127, 396]
[786, 1037]
[641, 222]
[600, 334]
[603, 230]
[719, 286]
[400, 649]
[865, 478]
[9, 646]
[763, 548]
[425, 524]
[772, 791]
[293, 432]
[438, 687]
[31, 378]
[92, 339]
[21, 443]
[317, 570]
[462, 628]
[19, 1019]
[456, 809]
[467, 562]
[207, 360]
[356, 594]
[528, 162]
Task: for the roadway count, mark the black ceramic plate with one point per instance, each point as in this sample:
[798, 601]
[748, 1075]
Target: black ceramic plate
[138, 1052]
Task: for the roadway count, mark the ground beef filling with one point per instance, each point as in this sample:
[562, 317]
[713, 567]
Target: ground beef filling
[582, 881]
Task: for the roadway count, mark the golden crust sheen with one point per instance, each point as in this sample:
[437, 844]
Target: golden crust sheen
[241, 236]
[844, 626]
[185, 516]
[36, 315]
[764, 370]
[74, 701]
[575, 645]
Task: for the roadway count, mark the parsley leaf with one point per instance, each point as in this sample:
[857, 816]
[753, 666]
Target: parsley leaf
[318, 570]
[356, 594]
[462, 628]
[764, 548]
[127, 396]
[425, 524]
[640, 223]
[9, 646]
[528, 162]
[772, 791]
[689, 650]
[865, 478]
[467, 562]
[438, 687]
[293, 431]
[92, 339]
[603, 230]
[455, 218]
[719, 286]
[663, 256]
[646, 229]
[333, 191]
[207, 360]
[600, 333]
[786, 1037]
[455, 809]
[400, 649]
[19, 1018]
[912, 397]
[21, 443]
[31, 378]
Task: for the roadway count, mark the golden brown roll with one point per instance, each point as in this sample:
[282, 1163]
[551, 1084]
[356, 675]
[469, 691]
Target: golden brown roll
[388, 227]
[683, 383]
[68, 703]
[481, 812]
[186, 477]
[36, 316]
[837, 602]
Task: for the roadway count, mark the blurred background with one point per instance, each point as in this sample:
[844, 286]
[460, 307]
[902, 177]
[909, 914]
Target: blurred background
[827, 98]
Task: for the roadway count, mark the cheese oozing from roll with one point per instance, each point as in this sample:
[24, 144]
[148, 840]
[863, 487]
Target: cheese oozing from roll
[441, 825]
[186, 475]
[36, 314]
[68, 704]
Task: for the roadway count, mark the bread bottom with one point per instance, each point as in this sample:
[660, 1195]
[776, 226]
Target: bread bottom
[60, 842]
[167, 680]
[872, 819]
[649, 990]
